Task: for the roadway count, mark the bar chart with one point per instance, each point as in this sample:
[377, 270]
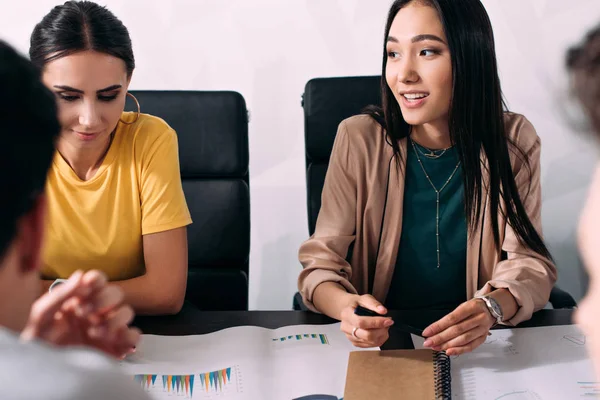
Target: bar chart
[318, 338]
[220, 384]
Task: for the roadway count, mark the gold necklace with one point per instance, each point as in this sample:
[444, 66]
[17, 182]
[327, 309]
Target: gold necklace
[437, 200]
[432, 155]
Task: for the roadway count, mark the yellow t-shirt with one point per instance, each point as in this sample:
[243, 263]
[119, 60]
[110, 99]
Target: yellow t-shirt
[99, 223]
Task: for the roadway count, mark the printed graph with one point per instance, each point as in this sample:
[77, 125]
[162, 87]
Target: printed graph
[589, 390]
[181, 385]
[216, 381]
[218, 384]
[319, 338]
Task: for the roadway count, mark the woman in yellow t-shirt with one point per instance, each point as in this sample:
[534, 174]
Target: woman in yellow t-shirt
[114, 190]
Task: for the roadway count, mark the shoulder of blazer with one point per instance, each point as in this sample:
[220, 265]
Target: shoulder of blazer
[365, 134]
[521, 132]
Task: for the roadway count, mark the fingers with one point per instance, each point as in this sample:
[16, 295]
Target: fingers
[101, 298]
[452, 333]
[371, 322]
[365, 337]
[361, 344]
[129, 339]
[113, 335]
[367, 323]
[94, 280]
[463, 339]
[122, 342]
[461, 313]
[91, 283]
[125, 341]
[59, 332]
[472, 323]
[455, 351]
[373, 337]
[119, 319]
[107, 299]
[371, 303]
[371, 331]
[44, 309]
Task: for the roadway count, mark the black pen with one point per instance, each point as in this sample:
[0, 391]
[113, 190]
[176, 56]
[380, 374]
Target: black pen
[364, 312]
[408, 328]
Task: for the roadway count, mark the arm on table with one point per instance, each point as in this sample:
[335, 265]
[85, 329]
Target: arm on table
[525, 274]
[324, 281]
[161, 290]
[330, 298]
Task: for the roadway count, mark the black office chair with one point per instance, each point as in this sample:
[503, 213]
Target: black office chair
[326, 102]
[212, 130]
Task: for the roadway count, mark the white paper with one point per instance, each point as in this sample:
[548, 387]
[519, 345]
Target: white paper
[244, 363]
[540, 363]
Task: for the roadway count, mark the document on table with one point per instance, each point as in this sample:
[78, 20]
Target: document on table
[245, 362]
[541, 363]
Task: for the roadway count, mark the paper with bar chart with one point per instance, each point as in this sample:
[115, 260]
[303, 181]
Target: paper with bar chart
[525, 364]
[243, 363]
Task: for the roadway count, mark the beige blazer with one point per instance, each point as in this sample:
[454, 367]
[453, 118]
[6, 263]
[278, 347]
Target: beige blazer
[353, 200]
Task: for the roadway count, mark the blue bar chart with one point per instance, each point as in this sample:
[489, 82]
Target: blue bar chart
[305, 337]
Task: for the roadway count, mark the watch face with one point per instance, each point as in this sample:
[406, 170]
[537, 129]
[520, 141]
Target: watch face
[495, 307]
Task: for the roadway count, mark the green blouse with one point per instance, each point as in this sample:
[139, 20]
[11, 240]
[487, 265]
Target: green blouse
[417, 282]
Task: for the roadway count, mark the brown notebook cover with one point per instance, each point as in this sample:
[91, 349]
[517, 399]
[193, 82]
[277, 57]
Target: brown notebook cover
[392, 374]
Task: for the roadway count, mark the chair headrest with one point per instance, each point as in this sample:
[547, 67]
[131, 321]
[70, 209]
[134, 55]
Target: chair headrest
[212, 129]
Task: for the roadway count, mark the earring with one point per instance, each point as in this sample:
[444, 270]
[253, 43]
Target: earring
[137, 115]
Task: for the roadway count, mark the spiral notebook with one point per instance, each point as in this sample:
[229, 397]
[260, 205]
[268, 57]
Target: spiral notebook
[383, 375]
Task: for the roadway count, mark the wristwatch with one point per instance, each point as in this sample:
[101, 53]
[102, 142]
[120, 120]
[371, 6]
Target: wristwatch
[493, 307]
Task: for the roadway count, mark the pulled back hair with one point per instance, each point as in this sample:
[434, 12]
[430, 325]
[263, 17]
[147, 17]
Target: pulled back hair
[78, 26]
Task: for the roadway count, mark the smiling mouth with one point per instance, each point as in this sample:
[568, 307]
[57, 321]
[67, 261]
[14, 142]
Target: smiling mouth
[414, 97]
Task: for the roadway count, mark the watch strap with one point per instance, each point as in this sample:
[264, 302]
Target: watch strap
[491, 310]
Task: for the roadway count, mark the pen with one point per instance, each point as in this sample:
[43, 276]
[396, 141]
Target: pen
[364, 312]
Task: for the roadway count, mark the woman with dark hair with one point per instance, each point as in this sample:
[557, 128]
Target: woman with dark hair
[114, 190]
[438, 192]
[583, 63]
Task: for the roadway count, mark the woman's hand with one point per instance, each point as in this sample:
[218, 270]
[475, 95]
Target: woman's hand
[461, 331]
[366, 331]
[85, 310]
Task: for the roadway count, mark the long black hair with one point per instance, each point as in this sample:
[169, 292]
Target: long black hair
[77, 26]
[476, 116]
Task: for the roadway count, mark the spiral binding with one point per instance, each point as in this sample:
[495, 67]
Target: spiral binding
[442, 376]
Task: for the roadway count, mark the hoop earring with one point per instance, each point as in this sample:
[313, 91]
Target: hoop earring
[137, 115]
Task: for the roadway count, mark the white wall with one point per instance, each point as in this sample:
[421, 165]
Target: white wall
[268, 49]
